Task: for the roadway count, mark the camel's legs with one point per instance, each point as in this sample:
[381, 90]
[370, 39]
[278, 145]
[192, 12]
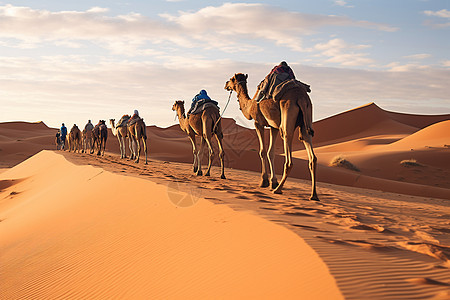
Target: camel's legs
[100, 141]
[124, 145]
[262, 155]
[121, 145]
[287, 128]
[207, 137]
[144, 143]
[271, 156]
[93, 146]
[307, 141]
[130, 145]
[194, 152]
[221, 157]
[199, 156]
[138, 144]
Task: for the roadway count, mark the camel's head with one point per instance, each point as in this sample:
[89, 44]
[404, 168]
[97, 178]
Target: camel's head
[178, 105]
[231, 84]
[112, 121]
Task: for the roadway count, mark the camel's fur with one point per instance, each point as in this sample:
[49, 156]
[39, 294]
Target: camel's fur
[138, 132]
[203, 125]
[100, 133]
[87, 141]
[284, 116]
[122, 135]
[74, 139]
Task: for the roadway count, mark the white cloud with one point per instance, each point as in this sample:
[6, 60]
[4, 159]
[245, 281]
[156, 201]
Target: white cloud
[419, 56]
[446, 63]
[443, 13]
[342, 53]
[398, 67]
[229, 27]
[250, 21]
[342, 3]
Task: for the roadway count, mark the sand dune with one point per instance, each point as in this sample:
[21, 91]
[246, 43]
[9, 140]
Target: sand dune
[81, 229]
[435, 135]
[82, 232]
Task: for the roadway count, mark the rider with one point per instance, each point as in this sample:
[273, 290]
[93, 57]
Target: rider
[89, 126]
[134, 118]
[277, 75]
[203, 95]
[63, 131]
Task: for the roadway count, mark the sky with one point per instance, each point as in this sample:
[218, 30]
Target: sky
[70, 61]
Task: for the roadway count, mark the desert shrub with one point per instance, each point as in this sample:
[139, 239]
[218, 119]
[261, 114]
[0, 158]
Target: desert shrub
[410, 163]
[340, 161]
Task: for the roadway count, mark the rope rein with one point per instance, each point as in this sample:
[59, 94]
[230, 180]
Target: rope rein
[217, 122]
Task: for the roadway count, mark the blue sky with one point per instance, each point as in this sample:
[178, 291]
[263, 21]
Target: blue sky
[69, 61]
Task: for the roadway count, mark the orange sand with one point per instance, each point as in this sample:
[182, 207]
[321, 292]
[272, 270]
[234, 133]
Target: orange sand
[81, 232]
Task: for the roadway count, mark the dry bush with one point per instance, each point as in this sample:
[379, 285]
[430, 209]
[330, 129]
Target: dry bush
[340, 161]
[410, 163]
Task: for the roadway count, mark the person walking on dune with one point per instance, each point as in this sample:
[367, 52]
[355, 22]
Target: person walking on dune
[58, 140]
[63, 136]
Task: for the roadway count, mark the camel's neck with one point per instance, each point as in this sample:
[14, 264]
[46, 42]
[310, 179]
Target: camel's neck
[183, 120]
[113, 129]
[245, 102]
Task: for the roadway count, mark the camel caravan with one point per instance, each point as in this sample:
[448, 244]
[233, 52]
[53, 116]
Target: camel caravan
[281, 103]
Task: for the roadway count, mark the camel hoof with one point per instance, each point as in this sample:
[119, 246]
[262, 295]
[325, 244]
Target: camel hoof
[264, 183]
[314, 198]
[195, 169]
[274, 185]
[278, 191]
[223, 177]
[199, 173]
[207, 174]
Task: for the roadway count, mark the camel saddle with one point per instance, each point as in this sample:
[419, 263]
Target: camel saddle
[285, 86]
[123, 121]
[203, 104]
[134, 120]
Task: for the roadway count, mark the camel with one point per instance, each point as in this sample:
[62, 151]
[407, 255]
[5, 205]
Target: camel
[122, 134]
[293, 110]
[87, 141]
[74, 139]
[205, 125]
[100, 134]
[137, 132]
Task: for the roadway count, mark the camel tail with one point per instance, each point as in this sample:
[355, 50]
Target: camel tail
[305, 105]
[143, 129]
[217, 126]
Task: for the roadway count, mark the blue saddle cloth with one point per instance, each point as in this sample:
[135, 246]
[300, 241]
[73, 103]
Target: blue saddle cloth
[201, 105]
